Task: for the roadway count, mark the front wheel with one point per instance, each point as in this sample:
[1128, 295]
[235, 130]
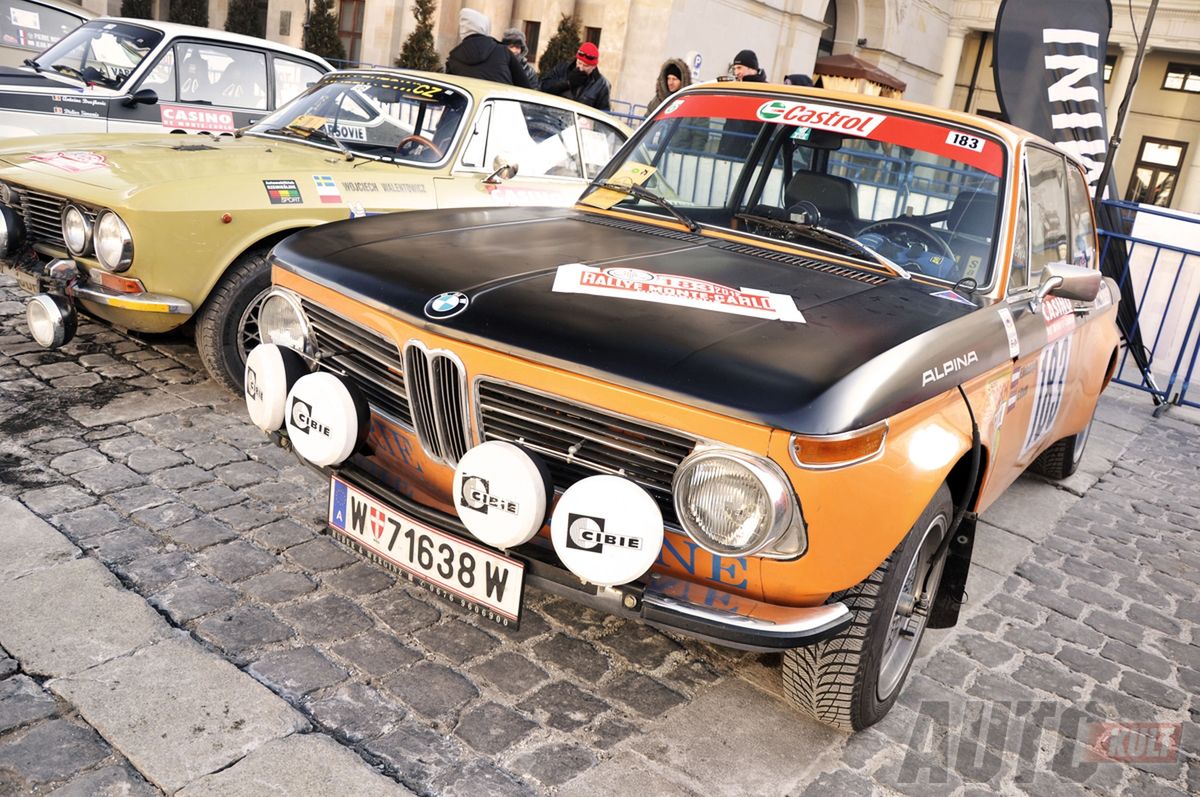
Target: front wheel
[227, 324]
[852, 680]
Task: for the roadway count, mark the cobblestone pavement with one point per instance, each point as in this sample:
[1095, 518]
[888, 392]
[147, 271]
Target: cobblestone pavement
[1083, 610]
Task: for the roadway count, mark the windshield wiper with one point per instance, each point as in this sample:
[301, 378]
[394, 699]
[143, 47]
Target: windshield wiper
[815, 231]
[302, 131]
[34, 65]
[645, 193]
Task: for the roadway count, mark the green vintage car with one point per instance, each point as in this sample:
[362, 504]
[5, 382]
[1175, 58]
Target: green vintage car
[148, 232]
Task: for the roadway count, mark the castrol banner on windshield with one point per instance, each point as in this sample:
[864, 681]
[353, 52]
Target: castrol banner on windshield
[822, 117]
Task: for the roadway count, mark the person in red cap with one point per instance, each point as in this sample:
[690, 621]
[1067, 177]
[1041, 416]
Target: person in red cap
[580, 81]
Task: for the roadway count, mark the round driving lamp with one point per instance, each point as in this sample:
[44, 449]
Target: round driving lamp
[281, 321]
[51, 319]
[76, 231]
[730, 503]
[112, 241]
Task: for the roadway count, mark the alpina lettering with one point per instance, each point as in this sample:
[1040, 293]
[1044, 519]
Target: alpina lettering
[950, 366]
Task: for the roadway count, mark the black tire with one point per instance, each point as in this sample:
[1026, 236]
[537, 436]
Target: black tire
[225, 326]
[851, 681]
[1062, 459]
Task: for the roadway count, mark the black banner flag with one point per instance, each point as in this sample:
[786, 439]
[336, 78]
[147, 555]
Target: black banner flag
[1049, 69]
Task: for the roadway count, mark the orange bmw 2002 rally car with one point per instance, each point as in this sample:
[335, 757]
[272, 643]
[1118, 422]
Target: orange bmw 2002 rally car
[754, 387]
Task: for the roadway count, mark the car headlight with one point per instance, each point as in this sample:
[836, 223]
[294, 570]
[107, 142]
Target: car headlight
[76, 230]
[113, 243]
[281, 321]
[731, 503]
[11, 230]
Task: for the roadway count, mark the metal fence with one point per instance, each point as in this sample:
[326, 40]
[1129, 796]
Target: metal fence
[1163, 271]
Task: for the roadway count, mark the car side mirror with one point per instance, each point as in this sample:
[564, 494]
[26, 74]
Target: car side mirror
[503, 171]
[140, 97]
[1068, 281]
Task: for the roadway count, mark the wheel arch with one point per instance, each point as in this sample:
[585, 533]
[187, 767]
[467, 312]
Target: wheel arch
[265, 243]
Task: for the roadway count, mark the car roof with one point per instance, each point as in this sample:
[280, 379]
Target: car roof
[493, 89]
[74, 9]
[175, 29]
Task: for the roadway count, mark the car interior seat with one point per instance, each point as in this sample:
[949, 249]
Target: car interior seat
[971, 224]
[836, 198]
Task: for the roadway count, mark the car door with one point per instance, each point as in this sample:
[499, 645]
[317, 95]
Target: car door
[201, 87]
[543, 141]
[1046, 389]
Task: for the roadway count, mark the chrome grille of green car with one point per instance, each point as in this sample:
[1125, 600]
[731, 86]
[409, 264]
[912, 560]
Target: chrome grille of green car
[42, 214]
[578, 441]
[366, 358]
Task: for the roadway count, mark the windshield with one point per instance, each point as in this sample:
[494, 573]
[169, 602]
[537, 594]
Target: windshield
[393, 117]
[102, 53]
[921, 193]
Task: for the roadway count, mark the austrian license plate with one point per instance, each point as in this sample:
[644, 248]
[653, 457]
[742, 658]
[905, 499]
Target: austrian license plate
[25, 281]
[463, 572]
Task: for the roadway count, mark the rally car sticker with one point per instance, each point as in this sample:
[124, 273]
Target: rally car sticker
[953, 297]
[283, 192]
[350, 132]
[73, 161]
[1048, 392]
[674, 289]
[964, 140]
[327, 189]
[1010, 329]
[182, 117]
[1059, 314]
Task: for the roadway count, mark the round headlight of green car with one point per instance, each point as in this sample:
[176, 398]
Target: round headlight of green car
[113, 242]
[281, 321]
[731, 503]
[76, 231]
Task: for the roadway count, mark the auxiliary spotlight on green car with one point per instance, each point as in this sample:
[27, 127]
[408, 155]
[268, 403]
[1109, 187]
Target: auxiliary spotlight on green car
[147, 231]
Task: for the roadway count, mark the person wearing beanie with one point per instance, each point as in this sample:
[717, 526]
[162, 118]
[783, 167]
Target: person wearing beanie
[478, 55]
[514, 40]
[740, 133]
[797, 80]
[580, 81]
[745, 68]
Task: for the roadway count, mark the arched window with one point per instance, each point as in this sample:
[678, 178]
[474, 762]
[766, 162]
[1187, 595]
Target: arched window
[825, 46]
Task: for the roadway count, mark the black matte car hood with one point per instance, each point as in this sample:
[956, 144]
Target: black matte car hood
[860, 355]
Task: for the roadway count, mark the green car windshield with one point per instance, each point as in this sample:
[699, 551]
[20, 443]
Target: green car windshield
[923, 193]
[385, 116]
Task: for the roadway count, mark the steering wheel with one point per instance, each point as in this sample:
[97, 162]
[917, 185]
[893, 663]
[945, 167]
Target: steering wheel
[424, 142]
[908, 230]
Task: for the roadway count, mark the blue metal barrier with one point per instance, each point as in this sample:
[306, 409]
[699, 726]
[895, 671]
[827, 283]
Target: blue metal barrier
[1165, 278]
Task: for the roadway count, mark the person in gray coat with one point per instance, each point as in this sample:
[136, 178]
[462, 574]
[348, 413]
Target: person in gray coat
[514, 40]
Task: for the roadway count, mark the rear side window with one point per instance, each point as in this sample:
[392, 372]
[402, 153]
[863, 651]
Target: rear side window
[1083, 230]
[292, 78]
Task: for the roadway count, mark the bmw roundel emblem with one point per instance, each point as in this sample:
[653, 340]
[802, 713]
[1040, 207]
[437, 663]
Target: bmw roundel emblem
[445, 305]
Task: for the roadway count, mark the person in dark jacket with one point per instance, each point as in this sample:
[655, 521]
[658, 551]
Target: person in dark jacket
[739, 134]
[580, 81]
[673, 76]
[480, 56]
[514, 40]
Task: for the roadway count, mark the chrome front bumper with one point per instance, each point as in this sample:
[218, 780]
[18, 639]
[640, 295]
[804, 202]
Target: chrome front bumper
[49, 277]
